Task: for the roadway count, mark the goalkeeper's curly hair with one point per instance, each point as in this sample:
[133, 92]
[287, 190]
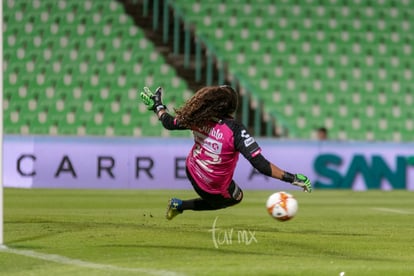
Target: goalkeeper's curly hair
[206, 104]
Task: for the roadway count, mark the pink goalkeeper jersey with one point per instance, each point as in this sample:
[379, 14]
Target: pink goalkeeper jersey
[213, 158]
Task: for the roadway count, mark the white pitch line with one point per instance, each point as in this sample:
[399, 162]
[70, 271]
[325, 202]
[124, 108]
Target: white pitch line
[75, 262]
[396, 211]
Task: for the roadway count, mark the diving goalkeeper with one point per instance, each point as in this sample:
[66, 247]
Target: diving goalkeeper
[218, 140]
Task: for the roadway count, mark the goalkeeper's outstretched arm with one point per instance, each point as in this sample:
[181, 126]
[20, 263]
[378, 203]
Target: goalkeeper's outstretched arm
[268, 168]
[168, 121]
[154, 102]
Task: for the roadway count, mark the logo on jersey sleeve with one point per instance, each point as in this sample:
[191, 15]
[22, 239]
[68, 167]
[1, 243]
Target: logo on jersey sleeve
[248, 140]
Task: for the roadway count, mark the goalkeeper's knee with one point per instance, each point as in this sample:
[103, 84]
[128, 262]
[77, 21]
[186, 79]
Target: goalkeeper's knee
[237, 194]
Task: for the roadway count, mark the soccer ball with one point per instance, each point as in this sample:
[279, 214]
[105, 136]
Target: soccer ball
[282, 206]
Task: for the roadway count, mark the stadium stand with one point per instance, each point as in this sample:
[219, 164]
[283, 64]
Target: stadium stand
[75, 68]
[347, 65]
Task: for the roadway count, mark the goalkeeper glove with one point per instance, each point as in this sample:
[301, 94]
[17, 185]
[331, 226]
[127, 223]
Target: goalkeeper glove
[302, 181]
[152, 100]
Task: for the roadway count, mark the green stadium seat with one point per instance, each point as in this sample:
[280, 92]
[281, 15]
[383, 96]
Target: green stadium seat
[91, 53]
[350, 56]
[346, 55]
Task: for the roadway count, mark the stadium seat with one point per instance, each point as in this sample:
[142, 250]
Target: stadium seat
[78, 59]
[345, 56]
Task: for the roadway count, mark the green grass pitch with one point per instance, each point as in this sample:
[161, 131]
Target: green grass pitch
[101, 232]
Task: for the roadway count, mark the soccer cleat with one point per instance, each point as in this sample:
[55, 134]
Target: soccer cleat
[173, 208]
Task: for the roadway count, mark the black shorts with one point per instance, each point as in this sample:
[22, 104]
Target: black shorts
[217, 201]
